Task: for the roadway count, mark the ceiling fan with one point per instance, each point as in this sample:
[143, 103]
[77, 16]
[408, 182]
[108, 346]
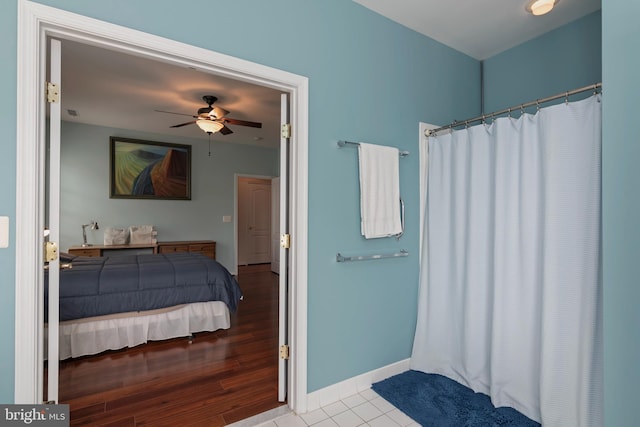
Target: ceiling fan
[213, 119]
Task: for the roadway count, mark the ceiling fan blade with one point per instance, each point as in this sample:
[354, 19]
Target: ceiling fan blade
[171, 112]
[242, 122]
[183, 124]
[225, 131]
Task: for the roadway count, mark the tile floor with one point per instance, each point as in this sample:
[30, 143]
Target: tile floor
[366, 408]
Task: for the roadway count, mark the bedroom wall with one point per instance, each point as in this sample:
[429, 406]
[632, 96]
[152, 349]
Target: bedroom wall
[567, 58]
[375, 87]
[85, 189]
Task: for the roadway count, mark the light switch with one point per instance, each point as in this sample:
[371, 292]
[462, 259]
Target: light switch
[226, 218]
[4, 231]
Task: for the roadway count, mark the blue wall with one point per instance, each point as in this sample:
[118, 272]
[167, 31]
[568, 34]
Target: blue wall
[621, 210]
[85, 189]
[567, 58]
[371, 80]
[8, 72]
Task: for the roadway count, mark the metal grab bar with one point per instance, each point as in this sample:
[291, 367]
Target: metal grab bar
[342, 258]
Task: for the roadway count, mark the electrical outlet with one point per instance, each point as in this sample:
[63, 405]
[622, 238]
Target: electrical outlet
[4, 231]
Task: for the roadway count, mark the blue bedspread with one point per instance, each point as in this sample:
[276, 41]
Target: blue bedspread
[117, 284]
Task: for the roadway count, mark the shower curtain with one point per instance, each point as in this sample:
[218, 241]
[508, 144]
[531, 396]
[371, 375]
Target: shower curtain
[510, 281]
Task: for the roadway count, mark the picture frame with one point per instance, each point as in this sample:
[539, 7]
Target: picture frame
[140, 169]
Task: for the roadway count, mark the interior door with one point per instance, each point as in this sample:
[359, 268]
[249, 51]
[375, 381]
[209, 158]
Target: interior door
[254, 221]
[52, 218]
[283, 284]
[259, 230]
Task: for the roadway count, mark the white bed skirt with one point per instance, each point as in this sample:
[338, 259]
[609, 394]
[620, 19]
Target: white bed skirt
[112, 332]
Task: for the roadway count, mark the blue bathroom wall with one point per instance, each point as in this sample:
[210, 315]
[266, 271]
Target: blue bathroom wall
[567, 58]
[370, 79]
[621, 210]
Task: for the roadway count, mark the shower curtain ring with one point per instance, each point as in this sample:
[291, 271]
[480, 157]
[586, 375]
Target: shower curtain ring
[566, 98]
[537, 105]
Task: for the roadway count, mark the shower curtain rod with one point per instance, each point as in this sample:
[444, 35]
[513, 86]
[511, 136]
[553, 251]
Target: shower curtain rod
[537, 102]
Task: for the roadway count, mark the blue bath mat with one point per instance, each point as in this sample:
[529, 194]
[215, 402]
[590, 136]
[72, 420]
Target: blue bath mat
[434, 400]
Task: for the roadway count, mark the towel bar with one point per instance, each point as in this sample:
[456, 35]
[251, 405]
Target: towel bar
[344, 143]
[341, 258]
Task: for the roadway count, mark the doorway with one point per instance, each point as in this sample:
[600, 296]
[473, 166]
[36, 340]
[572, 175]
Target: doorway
[37, 20]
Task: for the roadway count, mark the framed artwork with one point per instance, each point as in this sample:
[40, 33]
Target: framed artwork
[149, 170]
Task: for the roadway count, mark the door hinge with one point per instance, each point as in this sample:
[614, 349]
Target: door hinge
[284, 352]
[53, 93]
[50, 251]
[286, 130]
[285, 241]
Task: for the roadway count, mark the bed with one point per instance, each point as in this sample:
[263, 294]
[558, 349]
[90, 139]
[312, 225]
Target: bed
[113, 302]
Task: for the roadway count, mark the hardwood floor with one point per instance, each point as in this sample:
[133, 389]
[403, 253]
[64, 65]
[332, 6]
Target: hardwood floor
[219, 378]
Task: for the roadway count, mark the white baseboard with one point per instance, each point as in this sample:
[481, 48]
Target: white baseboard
[346, 388]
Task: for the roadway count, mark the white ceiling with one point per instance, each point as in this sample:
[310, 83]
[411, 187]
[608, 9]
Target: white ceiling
[113, 89]
[479, 28]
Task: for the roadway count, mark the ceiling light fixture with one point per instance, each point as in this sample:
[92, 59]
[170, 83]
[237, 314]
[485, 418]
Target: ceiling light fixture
[540, 7]
[209, 126]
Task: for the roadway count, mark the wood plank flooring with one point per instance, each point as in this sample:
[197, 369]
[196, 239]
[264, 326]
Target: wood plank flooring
[219, 378]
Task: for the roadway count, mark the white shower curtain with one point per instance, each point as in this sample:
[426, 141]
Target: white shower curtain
[510, 281]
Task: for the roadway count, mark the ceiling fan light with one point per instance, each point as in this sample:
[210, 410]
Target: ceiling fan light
[540, 7]
[217, 113]
[209, 126]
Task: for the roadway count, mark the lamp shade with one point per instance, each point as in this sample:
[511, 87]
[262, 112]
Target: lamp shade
[209, 126]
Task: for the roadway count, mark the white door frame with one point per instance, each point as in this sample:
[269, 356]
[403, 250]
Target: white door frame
[35, 23]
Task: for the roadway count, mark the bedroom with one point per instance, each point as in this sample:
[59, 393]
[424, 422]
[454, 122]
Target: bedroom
[115, 95]
[131, 107]
[328, 107]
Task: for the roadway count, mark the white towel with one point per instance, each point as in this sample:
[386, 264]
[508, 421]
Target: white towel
[379, 190]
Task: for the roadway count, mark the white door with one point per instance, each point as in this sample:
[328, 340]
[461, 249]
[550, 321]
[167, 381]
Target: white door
[275, 225]
[283, 341]
[254, 221]
[52, 220]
